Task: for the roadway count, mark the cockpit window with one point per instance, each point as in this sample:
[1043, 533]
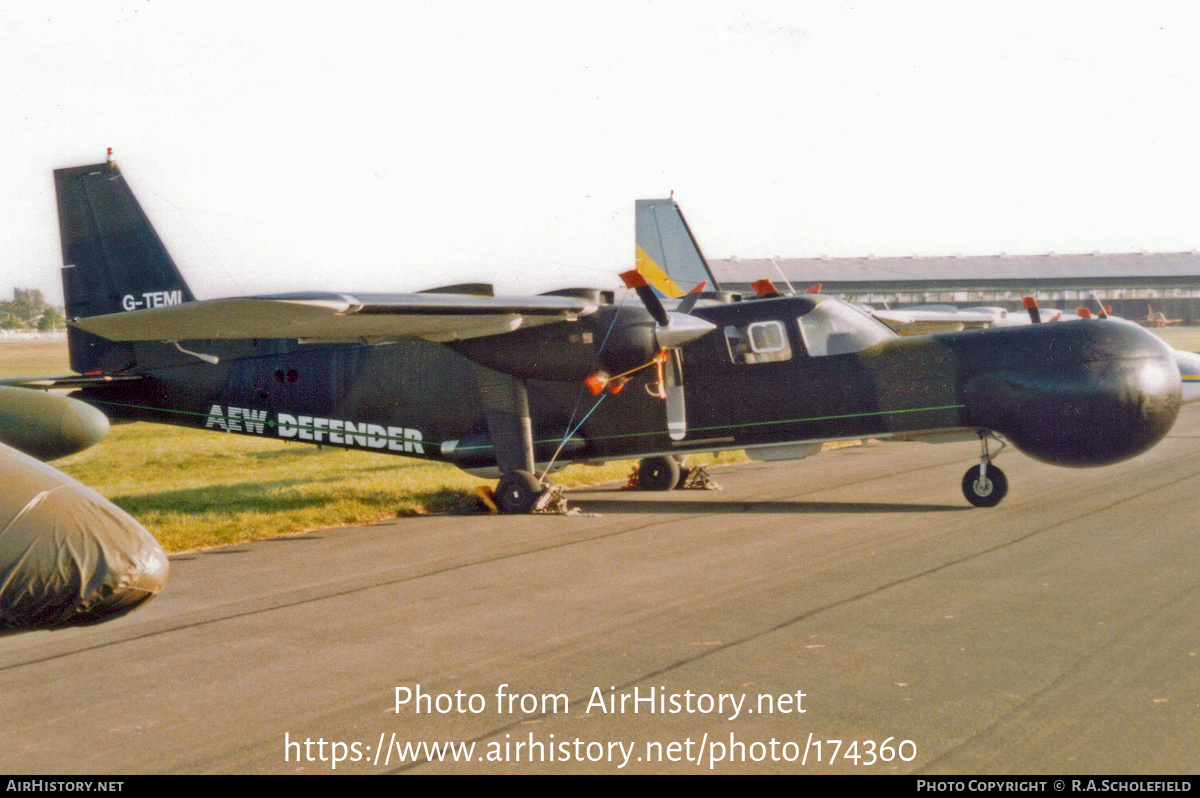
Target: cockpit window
[835, 328]
[759, 342]
[767, 337]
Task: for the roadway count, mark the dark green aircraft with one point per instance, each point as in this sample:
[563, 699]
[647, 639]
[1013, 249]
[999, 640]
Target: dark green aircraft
[515, 385]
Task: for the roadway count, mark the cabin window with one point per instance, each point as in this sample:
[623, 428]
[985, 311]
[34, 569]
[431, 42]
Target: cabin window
[835, 328]
[759, 342]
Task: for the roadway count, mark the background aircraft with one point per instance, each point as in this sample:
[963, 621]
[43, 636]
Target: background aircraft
[68, 556]
[925, 319]
[501, 384]
[1157, 319]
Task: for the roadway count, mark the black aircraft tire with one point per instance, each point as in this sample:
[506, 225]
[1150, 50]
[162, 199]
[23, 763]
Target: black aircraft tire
[658, 473]
[517, 492]
[985, 496]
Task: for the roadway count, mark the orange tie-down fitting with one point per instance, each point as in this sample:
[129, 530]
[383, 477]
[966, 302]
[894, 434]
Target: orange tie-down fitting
[599, 381]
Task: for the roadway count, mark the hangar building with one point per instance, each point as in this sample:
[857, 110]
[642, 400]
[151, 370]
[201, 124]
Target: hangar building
[1131, 283]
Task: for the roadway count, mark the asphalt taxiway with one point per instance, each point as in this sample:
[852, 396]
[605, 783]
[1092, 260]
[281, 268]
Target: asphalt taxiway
[1058, 632]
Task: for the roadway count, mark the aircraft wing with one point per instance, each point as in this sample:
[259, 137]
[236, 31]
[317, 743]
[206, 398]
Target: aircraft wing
[923, 322]
[333, 318]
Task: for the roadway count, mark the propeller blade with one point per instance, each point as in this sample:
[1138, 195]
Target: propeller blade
[1031, 305]
[672, 329]
[634, 279]
[676, 407]
[764, 288]
[686, 304]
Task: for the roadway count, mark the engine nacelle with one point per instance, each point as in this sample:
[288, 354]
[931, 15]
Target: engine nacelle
[569, 350]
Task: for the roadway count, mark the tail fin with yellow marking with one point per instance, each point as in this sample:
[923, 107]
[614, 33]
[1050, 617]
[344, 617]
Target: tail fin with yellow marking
[667, 253]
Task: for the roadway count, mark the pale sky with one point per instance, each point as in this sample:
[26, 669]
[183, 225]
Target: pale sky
[399, 146]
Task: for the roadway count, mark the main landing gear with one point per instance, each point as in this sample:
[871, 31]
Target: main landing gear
[521, 493]
[669, 473]
[518, 492]
[985, 485]
[505, 401]
[658, 473]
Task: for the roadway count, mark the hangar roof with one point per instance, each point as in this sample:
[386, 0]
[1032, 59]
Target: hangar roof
[942, 269]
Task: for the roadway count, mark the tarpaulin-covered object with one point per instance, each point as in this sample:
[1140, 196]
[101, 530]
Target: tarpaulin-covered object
[68, 556]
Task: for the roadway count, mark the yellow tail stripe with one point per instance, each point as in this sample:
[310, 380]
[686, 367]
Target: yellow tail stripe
[656, 276]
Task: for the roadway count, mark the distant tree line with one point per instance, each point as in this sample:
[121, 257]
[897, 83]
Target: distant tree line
[28, 310]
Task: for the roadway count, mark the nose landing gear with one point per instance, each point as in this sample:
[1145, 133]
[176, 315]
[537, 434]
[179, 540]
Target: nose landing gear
[985, 485]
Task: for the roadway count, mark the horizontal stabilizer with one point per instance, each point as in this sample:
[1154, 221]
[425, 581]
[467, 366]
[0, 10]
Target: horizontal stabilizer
[67, 381]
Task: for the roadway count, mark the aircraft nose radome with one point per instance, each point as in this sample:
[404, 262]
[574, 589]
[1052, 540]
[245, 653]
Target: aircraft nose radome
[68, 557]
[1095, 395]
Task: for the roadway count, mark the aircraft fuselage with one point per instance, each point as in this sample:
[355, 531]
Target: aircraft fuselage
[1076, 393]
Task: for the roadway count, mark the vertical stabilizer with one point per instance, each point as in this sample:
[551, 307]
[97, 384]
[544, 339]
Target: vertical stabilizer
[113, 260]
[667, 253]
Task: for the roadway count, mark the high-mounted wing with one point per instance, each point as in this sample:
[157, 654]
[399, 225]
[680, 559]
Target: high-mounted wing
[923, 321]
[332, 318]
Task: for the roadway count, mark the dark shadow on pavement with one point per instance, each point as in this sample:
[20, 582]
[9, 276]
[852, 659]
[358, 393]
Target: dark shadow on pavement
[603, 506]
